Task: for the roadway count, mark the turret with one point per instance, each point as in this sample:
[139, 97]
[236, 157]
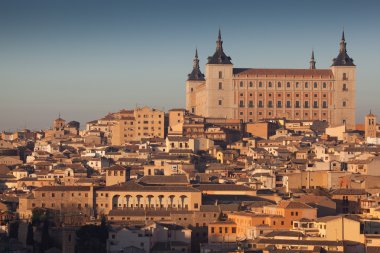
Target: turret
[312, 60]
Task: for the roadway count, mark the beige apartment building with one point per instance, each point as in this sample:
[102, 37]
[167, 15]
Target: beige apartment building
[254, 94]
[131, 125]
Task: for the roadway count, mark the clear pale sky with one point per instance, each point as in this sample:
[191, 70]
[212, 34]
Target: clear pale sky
[84, 59]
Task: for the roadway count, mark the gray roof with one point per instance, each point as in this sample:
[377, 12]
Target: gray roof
[219, 57]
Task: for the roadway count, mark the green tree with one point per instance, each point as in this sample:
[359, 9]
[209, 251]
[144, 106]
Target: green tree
[92, 239]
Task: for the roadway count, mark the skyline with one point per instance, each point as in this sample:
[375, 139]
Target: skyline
[85, 59]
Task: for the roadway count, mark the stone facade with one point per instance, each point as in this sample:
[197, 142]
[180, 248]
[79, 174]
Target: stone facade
[251, 95]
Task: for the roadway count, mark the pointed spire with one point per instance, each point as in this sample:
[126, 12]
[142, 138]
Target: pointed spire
[312, 60]
[219, 56]
[219, 42]
[196, 61]
[343, 44]
[343, 59]
[196, 73]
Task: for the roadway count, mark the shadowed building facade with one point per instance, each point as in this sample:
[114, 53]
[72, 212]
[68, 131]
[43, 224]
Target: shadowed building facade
[254, 94]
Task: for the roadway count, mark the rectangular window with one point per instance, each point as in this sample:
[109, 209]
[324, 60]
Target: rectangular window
[270, 104]
[298, 104]
[220, 102]
[260, 104]
[306, 104]
[241, 103]
[279, 104]
[220, 75]
[315, 105]
[288, 104]
[220, 86]
[250, 103]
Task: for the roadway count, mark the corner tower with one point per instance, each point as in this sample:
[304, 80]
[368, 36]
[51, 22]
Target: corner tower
[344, 71]
[194, 97]
[370, 125]
[219, 84]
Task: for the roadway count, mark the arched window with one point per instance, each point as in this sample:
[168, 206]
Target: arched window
[315, 85]
[241, 84]
[306, 85]
[270, 84]
[287, 85]
[279, 85]
[250, 84]
[324, 85]
[260, 84]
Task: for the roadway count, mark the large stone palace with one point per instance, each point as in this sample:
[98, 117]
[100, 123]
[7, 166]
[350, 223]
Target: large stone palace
[252, 94]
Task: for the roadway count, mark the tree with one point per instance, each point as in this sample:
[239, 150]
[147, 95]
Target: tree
[30, 235]
[45, 237]
[92, 238]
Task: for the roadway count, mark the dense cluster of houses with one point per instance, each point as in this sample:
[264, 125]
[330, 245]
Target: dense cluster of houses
[178, 182]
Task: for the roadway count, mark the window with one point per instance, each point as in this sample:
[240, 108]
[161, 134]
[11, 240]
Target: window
[220, 75]
[241, 84]
[241, 103]
[270, 104]
[260, 104]
[298, 104]
[279, 85]
[292, 213]
[279, 104]
[288, 104]
[220, 102]
[234, 230]
[270, 84]
[345, 87]
[315, 105]
[250, 84]
[344, 103]
[250, 104]
[191, 89]
[220, 86]
[324, 85]
[345, 76]
[315, 85]
[306, 104]
[260, 84]
[324, 104]
[296, 84]
[306, 85]
[287, 85]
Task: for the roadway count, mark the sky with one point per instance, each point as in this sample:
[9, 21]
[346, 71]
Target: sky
[83, 59]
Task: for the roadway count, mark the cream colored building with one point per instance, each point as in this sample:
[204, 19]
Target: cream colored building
[251, 95]
[131, 125]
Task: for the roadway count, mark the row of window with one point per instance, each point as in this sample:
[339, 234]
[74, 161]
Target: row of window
[225, 229]
[288, 104]
[288, 85]
[79, 194]
[306, 95]
[306, 114]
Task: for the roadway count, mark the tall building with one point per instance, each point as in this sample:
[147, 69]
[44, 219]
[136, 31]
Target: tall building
[130, 125]
[370, 125]
[253, 94]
